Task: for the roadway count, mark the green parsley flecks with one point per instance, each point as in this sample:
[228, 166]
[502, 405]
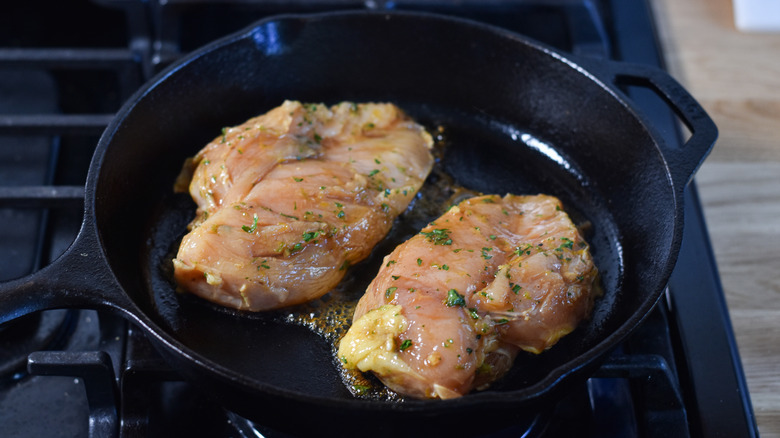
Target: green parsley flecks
[439, 236]
[455, 299]
[251, 229]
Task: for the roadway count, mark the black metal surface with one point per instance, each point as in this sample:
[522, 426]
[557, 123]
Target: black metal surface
[97, 372]
[39, 331]
[58, 406]
[715, 391]
[713, 383]
[585, 42]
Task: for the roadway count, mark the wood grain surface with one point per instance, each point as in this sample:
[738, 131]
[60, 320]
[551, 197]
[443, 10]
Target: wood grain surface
[736, 77]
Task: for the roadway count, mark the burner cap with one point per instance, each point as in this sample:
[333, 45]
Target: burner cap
[39, 331]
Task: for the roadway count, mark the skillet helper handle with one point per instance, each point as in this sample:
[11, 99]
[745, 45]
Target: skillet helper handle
[79, 278]
[684, 161]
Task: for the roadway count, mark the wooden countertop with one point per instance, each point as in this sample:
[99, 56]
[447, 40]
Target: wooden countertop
[736, 77]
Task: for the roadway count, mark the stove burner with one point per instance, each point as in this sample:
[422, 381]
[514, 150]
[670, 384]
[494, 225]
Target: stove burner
[535, 427]
[42, 331]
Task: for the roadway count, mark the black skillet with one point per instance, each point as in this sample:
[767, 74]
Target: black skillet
[517, 116]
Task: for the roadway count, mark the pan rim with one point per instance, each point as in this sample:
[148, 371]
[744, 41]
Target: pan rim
[173, 345]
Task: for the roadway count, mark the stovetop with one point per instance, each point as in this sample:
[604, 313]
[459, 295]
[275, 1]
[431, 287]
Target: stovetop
[87, 373]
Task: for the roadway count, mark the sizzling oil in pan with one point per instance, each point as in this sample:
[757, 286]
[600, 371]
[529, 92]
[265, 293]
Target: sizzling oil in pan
[460, 171]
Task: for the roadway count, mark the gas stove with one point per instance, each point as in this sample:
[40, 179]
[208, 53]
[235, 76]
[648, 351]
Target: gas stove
[79, 373]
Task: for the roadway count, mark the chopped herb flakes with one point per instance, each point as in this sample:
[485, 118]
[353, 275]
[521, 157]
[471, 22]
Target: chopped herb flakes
[455, 299]
[251, 229]
[360, 389]
[309, 235]
[389, 292]
[520, 250]
[439, 236]
[405, 344]
[340, 212]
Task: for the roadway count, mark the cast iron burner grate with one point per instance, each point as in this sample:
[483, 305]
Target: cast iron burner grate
[634, 394]
[62, 80]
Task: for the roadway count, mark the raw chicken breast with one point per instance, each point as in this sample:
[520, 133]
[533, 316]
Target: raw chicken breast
[287, 200]
[452, 306]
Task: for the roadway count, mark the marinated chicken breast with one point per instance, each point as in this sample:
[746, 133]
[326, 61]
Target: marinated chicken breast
[289, 199]
[452, 306]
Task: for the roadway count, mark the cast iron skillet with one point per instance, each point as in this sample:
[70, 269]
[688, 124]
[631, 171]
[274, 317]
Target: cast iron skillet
[518, 116]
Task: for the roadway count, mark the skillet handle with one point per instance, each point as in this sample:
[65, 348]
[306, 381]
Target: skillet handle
[684, 161]
[79, 278]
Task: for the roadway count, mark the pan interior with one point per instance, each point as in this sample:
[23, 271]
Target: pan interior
[476, 156]
[514, 120]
